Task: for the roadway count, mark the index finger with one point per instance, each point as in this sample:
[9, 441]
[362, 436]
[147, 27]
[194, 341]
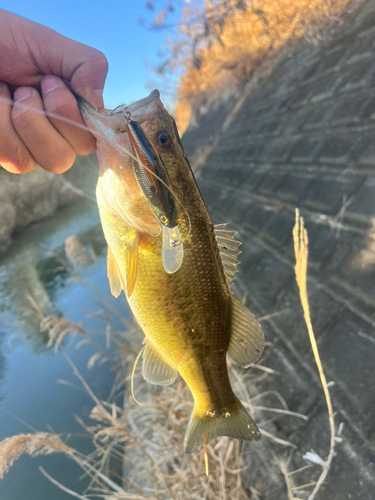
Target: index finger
[62, 111]
[36, 50]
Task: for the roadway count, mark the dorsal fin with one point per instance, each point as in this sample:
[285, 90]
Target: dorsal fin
[228, 247]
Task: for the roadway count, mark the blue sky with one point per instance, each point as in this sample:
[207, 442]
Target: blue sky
[111, 27]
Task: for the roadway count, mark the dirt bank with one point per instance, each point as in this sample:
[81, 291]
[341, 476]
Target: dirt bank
[31, 197]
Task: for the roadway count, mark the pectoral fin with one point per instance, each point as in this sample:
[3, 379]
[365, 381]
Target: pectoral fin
[116, 283]
[247, 339]
[155, 370]
[115, 277]
[131, 255]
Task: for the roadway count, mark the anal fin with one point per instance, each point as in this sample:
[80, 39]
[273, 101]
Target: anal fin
[155, 370]
[247, 339]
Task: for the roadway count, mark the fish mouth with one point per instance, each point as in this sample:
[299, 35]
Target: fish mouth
[146, 104]
[139, 110]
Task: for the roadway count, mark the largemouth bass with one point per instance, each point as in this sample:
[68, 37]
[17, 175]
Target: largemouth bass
[177, 279]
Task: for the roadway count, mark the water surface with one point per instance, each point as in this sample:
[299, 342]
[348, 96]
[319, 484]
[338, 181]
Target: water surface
[38, 390]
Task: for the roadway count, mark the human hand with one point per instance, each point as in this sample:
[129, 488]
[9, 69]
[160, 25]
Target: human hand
[44, 128]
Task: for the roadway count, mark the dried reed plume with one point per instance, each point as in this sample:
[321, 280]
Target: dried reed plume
[40, 443]
[58, 328]
[301, 251]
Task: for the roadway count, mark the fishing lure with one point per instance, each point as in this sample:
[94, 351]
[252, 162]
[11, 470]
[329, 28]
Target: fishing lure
[155, 184]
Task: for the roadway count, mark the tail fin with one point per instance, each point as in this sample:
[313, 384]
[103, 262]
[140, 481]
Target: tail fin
[238, 425]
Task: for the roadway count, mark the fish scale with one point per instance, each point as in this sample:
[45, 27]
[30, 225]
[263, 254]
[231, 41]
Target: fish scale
[189, 316]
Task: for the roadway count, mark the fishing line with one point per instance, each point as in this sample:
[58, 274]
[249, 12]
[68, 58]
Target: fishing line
[132, 378]
[205, 452]
[102, 136]
[48, 113]
[58, 117]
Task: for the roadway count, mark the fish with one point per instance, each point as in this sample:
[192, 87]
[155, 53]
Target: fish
[177, 279]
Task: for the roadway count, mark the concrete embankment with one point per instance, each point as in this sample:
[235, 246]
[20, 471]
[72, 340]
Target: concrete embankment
[304, 137]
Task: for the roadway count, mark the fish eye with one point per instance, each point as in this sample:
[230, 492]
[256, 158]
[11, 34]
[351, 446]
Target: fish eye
[163, 219]
[164, 139]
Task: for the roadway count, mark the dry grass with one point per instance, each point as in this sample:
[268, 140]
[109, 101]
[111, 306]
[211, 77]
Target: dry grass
[58, 328]
[138, 452]
[147, 442]
[40, 443]
[76, 253]
[250, 39]
[301, 249]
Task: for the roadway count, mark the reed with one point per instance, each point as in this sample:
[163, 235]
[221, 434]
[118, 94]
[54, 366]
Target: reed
[301, 250]
[138, 451]
[249, 41]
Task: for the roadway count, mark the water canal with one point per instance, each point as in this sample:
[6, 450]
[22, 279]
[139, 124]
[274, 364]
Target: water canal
[38, 390]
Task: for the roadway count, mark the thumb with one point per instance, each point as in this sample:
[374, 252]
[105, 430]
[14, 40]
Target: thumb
[88, 77]
[82, 67]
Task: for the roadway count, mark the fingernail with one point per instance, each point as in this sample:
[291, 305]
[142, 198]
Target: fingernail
[96, 98]
[22, 93]
[49, 83]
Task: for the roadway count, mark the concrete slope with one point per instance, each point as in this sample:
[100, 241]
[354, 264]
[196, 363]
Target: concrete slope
[305, 137]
